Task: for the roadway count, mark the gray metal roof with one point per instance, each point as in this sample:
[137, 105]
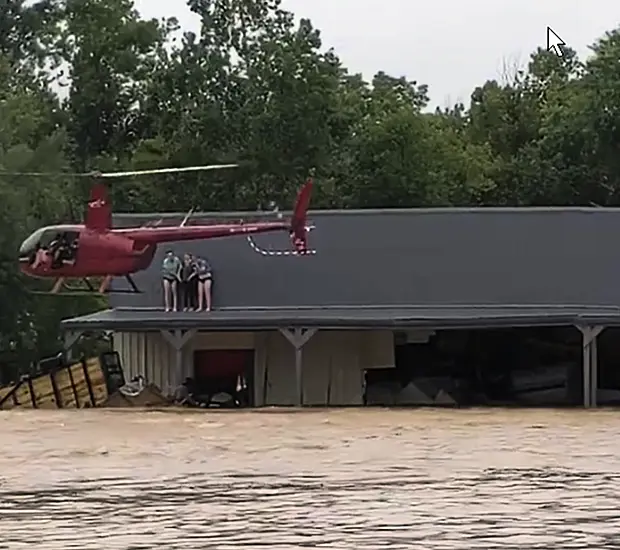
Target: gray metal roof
[122, 219]
[428, 257]
[346, 318]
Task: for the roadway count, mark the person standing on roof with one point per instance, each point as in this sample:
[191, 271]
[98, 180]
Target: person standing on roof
[189, 289]
[171, 275]
[194, 282]
[205, 281]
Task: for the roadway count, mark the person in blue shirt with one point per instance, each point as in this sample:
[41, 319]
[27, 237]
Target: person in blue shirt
[171, 275]
[205, 281]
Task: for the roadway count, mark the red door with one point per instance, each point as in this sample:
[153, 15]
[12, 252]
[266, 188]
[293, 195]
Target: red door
[222, 363]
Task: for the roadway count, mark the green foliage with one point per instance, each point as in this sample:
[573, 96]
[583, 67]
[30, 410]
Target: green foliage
[88, 83]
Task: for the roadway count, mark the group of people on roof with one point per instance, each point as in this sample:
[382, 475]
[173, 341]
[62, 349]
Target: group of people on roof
[187, 282]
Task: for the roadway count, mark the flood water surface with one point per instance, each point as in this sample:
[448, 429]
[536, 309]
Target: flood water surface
[345, 479]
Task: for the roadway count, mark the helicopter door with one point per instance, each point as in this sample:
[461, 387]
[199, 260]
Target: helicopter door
[62, 246]
[68, 247]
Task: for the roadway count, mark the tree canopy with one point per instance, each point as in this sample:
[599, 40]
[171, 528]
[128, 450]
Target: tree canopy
[88, 84]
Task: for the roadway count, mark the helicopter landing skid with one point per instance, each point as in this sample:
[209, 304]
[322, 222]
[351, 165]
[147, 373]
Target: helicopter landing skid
[61, 288]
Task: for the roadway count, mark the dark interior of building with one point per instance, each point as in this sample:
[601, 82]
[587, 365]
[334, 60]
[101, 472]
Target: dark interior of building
[224, 378]
[519, 367]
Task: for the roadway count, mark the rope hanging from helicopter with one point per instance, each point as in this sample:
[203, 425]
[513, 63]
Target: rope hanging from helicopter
[297, 251]
[268, 252]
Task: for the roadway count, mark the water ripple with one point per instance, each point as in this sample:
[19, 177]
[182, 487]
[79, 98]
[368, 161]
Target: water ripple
[436, 480]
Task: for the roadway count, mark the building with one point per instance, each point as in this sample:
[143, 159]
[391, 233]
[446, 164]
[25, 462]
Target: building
[307, 330]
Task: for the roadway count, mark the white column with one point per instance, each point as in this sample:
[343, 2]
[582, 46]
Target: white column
[178, 339]
[590, 364]
[299, 337]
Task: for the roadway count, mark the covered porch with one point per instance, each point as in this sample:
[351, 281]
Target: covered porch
[318, 356]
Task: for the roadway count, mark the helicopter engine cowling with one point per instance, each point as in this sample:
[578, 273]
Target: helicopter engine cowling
[109, 245]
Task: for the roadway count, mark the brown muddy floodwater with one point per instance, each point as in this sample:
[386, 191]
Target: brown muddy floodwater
[344, 479]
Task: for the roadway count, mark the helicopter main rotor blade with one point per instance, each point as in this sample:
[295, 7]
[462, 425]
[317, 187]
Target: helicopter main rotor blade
[109, 175]
[47, 174]
[165, 171]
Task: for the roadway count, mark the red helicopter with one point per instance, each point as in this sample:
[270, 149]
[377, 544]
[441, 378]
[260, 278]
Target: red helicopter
[96, 250]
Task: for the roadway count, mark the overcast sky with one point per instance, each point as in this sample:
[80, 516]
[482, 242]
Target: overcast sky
[451, 45]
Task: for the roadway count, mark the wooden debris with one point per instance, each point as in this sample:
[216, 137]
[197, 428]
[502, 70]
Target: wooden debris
[82, 384]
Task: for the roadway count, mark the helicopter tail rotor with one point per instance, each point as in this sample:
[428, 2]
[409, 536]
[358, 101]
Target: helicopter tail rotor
[298, 231]
[299, 228]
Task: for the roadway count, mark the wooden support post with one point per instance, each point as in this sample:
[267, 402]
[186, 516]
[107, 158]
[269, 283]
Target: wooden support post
[178, 339]
[73, 387]
[11, 395]
[33, 398]
[590, 364]
[299, 337]
[71, 338]
[594, 372]
[57, 396]
[89, 385]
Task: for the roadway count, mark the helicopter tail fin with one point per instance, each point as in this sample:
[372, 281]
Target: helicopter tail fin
[299, 219]
[99, 212]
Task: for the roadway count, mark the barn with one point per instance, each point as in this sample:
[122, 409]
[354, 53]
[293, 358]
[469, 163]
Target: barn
[397, 307]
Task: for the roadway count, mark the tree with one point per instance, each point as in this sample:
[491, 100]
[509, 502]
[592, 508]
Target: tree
[256, 88]
[30, 140]
[111, 53]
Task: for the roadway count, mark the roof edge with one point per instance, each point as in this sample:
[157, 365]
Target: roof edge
[396, 307]
[378, 211]
[328, 323]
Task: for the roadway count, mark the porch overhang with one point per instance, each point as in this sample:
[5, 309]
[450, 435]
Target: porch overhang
[343, 317]
[299, 324]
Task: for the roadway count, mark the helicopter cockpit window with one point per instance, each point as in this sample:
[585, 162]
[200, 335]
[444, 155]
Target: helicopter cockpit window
[49, 238]
[60, 245]
[30, 246]
[64, 248]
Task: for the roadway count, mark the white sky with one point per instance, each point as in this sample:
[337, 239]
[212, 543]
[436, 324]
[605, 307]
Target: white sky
[451, 45]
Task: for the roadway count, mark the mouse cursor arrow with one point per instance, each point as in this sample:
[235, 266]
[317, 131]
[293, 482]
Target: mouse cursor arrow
[554, 42]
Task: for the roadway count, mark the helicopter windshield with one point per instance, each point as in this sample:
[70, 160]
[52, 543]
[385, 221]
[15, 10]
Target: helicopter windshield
[41, 237]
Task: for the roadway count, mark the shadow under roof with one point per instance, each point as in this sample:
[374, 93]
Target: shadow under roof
[375, 317]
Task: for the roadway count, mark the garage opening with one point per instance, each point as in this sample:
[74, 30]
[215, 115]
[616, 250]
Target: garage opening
[225, 378]
[504, 367]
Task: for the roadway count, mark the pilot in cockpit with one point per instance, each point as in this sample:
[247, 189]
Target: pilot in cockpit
[52, 254]
[57, 250]
[44, 255]
[63, 250]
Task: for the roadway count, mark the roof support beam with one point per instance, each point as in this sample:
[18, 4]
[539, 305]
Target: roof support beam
[178, 339]
[299, 337]
[590, 363]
